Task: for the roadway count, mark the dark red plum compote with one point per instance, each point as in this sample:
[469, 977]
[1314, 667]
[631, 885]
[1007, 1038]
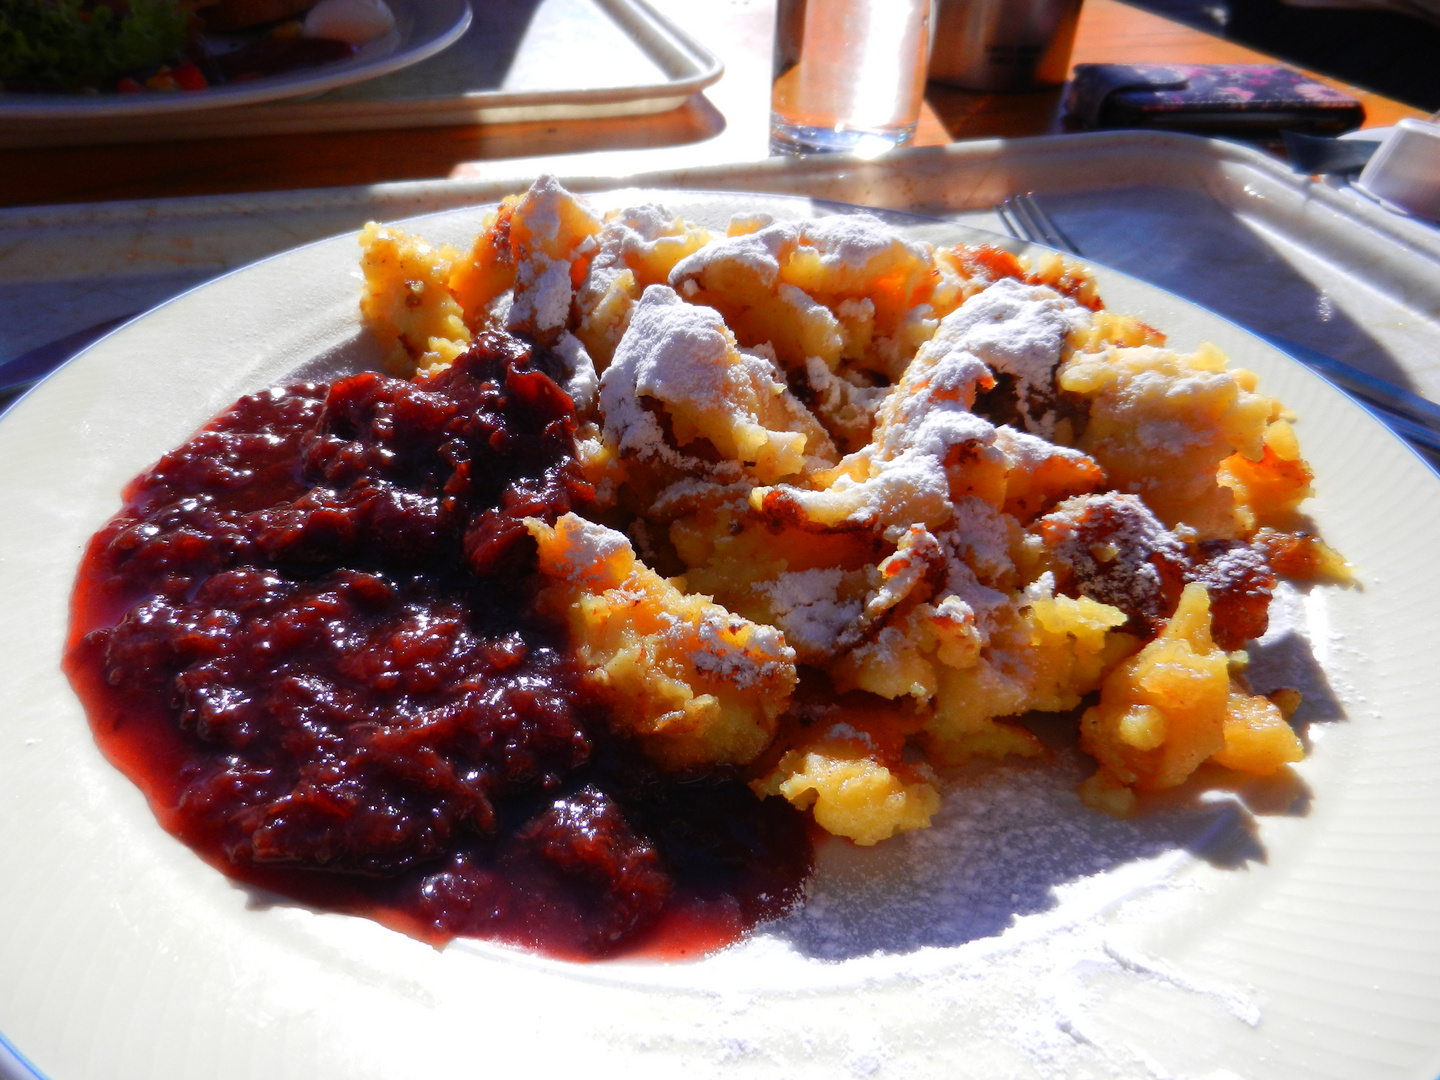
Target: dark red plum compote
[309, 637]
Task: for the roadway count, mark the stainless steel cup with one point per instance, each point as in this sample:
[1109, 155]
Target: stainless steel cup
[1003, 44]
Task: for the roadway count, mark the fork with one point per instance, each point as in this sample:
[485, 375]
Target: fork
[1025, 219]
[1409, 415]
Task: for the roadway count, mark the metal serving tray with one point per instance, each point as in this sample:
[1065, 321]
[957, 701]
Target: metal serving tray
[520, 60]
[1220, 224]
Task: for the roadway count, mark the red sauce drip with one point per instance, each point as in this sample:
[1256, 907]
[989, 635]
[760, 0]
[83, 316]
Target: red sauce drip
[308, 637]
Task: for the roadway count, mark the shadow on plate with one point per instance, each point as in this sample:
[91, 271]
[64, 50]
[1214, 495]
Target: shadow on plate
[1161, 234]
[1012, 835]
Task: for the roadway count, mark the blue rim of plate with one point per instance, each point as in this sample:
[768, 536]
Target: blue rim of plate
[11, 1060]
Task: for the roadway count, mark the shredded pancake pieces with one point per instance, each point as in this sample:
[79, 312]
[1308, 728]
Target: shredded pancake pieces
[862, 503]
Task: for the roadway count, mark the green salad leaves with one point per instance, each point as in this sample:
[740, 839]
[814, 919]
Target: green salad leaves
[69, 45]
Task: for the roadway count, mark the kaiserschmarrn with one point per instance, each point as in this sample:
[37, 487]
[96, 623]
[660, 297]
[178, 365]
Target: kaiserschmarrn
[864, 502]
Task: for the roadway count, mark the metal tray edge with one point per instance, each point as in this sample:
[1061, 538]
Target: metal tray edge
[690, 65]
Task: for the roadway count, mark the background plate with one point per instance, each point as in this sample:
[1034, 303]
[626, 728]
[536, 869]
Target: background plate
[1284, 930]
[422, 29]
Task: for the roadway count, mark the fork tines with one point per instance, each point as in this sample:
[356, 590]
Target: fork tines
[1025, 218]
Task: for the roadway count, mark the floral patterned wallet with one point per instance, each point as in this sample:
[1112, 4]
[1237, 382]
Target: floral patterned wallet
[1253, 101]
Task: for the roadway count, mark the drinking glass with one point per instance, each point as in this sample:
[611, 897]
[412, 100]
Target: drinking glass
[849, 75]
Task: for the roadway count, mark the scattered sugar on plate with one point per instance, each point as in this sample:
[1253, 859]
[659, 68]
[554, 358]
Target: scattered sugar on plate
[1012, 913]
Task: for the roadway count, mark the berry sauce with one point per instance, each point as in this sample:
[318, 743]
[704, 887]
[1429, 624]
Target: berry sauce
[309, 638]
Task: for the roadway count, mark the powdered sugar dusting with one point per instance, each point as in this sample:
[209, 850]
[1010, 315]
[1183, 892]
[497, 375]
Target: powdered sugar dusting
[1017, 330]
[931, 413]
[542, 208]
[690, 492]
[542, 296]
[682, 359]
[808, 609]
[1111, 542]
[921, 421]
[853, 241]
[645, 224]
[986, 603]
[581, 382]
[1029, 452]
[759, 252]
[1012, 923]
[628, 237]
[587, 551]
[980, 539]
[679, 353]
[762, 659]
[672, 351]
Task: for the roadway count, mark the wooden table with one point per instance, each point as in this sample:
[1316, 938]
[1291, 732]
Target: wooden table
[727, 123]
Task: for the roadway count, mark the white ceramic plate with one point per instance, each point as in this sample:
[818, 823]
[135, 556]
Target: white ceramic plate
[1022, 936]
[422, 29]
